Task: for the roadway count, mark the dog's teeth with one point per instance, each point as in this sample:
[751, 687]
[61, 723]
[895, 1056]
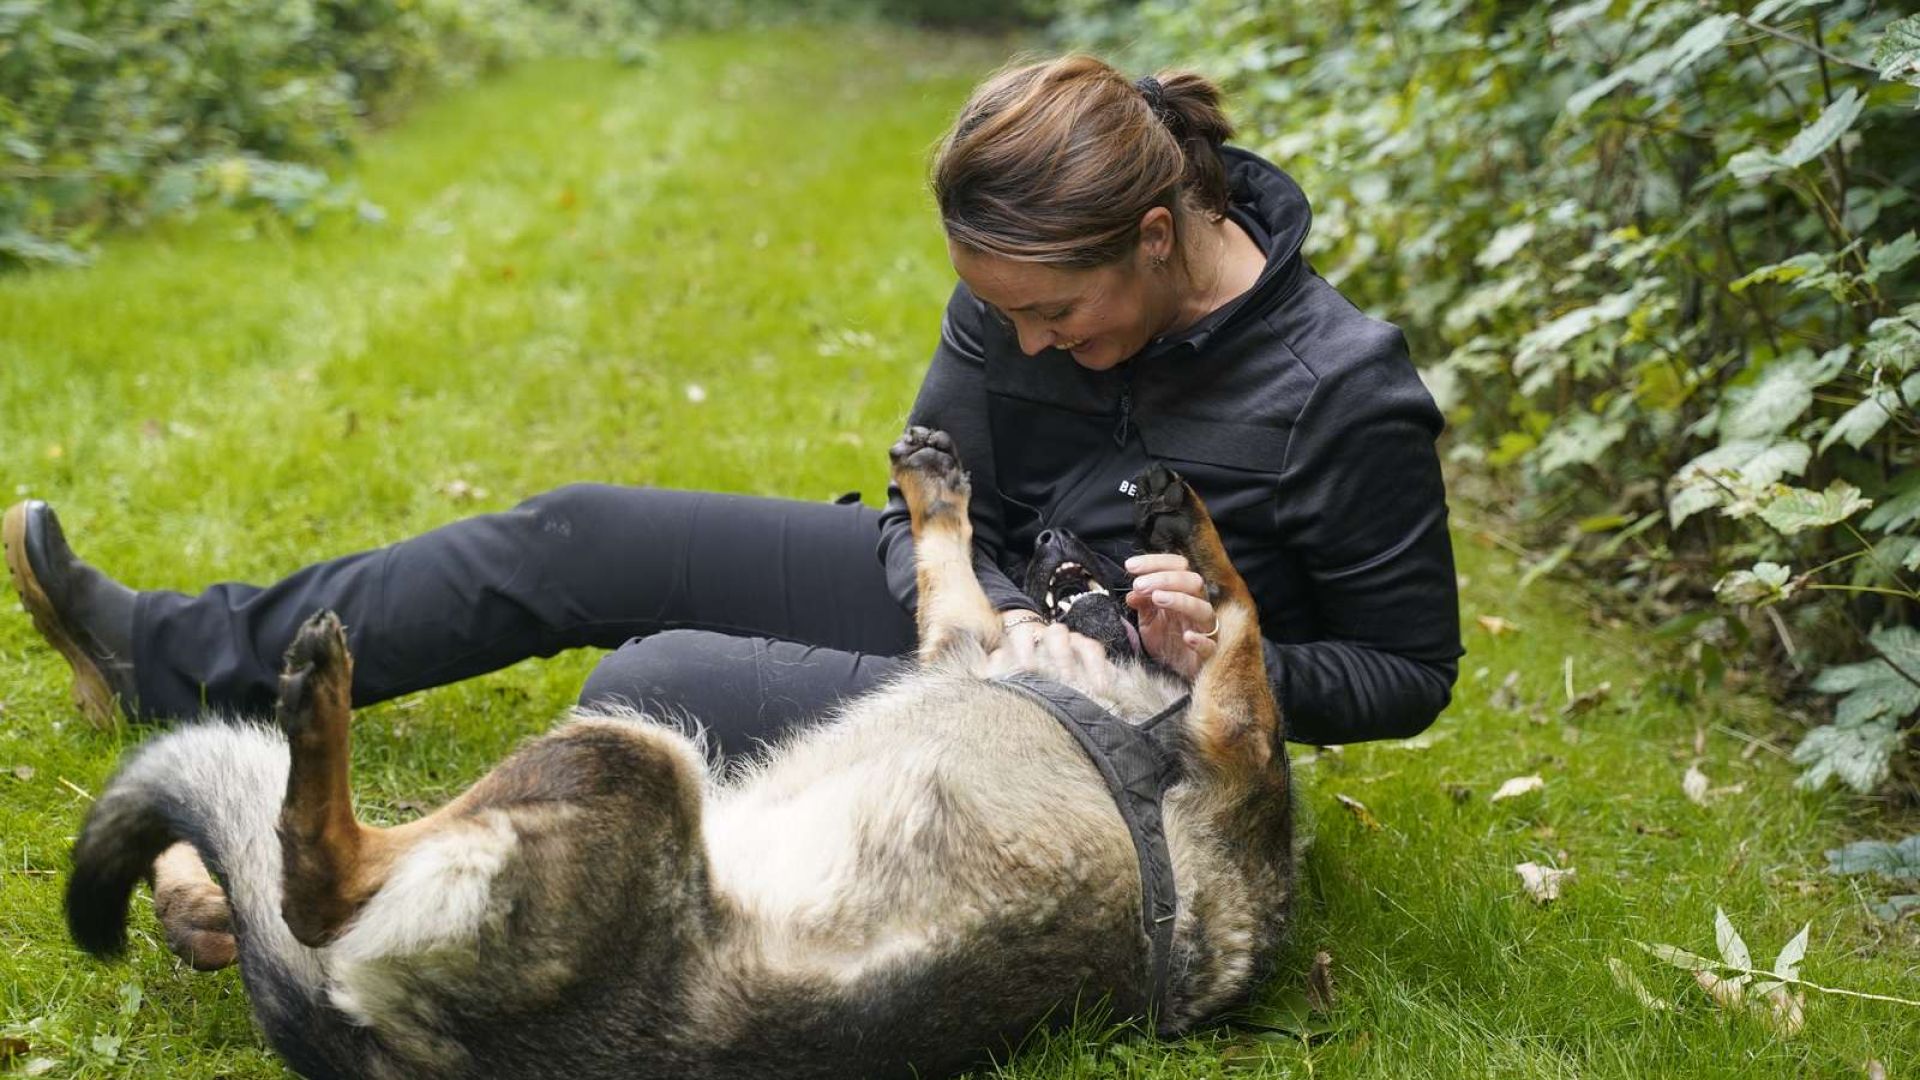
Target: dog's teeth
[1049, 598]
[1096, 587]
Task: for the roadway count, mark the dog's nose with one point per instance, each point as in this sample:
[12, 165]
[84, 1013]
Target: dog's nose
[1044, 540]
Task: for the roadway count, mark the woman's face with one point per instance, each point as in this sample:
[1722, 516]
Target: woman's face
[1099, 316]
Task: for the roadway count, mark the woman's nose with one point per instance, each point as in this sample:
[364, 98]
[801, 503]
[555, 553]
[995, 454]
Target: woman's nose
[1034, 342]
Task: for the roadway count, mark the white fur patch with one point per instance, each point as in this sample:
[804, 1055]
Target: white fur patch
[438, 897]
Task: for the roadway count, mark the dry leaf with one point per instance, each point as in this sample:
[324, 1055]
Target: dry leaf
[39, 1066]
[1694, 783]
[1495, 625]
[1786, 1012]
[1584, 703]
[1506, 697]
[461, 491]
[696, 393]
[1625, 979]
[22, 772]
[1519, 785]
[1360, 812]
[1728, 993]
[1542, 882]
[1875, 1070]
[1320, 983]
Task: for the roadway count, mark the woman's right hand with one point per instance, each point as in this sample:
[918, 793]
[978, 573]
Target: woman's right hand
[1027, 640]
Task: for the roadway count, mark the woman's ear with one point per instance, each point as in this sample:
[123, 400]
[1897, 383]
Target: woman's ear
[1156, 235]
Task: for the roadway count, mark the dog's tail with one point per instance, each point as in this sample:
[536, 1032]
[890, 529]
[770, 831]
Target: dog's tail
[218, 786]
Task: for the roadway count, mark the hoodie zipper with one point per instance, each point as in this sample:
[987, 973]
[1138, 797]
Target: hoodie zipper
[1120, 430]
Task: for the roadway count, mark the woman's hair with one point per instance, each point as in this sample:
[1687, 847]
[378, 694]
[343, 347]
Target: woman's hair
[1056, 161]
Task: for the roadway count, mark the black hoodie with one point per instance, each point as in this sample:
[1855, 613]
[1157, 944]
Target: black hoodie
[1298, 420]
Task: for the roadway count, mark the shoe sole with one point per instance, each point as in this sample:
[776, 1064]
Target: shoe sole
[91, 694]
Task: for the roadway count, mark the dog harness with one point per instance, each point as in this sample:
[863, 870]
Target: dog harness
[1139, 762]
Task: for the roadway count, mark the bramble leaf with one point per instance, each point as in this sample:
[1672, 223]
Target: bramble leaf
[1898, 53]
[1894, 859]
[1812, 141]
[1797, 509]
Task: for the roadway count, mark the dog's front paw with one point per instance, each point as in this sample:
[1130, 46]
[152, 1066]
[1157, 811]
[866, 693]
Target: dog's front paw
[1164, 511]
[928, 471]
[318, 657]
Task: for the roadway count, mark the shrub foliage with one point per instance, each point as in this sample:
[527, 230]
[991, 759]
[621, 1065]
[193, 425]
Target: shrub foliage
[119, 109]
[1662, 257]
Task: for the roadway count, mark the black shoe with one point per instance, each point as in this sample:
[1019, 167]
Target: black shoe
[84, 614]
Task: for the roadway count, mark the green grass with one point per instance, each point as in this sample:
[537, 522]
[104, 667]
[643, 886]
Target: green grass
[571, 250]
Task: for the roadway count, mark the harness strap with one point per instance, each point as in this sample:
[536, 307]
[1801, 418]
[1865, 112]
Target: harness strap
[1138, 764]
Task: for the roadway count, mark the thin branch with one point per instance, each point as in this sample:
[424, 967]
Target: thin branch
[1808, 45]
[1768, 976]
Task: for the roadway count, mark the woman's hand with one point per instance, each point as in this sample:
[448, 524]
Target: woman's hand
[1028, 640]
[1176, 619]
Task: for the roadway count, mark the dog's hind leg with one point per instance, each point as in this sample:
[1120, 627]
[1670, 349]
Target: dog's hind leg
[1233, 720]
[952, 606]
[192, 909]
[331, 863]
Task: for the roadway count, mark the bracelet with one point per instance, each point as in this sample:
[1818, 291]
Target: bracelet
[1008, 622]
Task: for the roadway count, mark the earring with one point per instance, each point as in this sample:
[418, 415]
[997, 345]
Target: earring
[1159, 262]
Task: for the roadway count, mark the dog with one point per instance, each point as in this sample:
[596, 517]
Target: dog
[906, 889]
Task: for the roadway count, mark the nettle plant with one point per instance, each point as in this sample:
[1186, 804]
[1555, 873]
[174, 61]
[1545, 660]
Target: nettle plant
[1665, 254]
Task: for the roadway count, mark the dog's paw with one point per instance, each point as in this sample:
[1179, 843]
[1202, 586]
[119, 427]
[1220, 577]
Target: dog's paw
[927, 469]
[318, 654]
[1163, 511]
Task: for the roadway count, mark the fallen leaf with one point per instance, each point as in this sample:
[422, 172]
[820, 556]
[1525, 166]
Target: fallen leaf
[1786, 1012]
[1506, 697]
[1732, 949]
[39, 1066]
[1699, 742]
[1875, 1070]
[696, 393]
[461, 491]
[1679, 957]
[1495, 625]
[1625, 979]
[1360, 812]
[1542, 882]
[1727, 993]
[1695, 783]
[22, 772]
[1519, 785]
[1587, 701]
[1320, 983]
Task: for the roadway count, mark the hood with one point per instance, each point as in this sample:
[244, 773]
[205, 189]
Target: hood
[1266, 202]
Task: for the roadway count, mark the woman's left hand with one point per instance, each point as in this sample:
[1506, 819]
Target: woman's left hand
[1175, 615]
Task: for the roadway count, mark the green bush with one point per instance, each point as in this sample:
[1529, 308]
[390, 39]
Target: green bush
[1661, 257]
[112, 110]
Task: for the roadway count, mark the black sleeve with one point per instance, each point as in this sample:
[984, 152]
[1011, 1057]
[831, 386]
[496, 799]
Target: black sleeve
[953, 398]
[1367, 508]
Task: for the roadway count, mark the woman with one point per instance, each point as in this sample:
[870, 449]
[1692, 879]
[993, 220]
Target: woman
[1130, 289]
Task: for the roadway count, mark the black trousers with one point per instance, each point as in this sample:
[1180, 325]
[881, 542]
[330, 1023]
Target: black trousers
[748, 614]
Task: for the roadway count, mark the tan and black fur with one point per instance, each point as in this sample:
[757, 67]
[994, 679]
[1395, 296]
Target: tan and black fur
[904, 890]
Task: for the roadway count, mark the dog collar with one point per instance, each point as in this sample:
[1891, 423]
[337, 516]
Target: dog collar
[1138, 762]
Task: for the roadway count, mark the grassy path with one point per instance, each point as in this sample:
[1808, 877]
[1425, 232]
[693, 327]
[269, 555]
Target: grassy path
[722, 271]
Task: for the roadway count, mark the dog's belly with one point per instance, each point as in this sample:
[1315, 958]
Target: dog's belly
[927, 814]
